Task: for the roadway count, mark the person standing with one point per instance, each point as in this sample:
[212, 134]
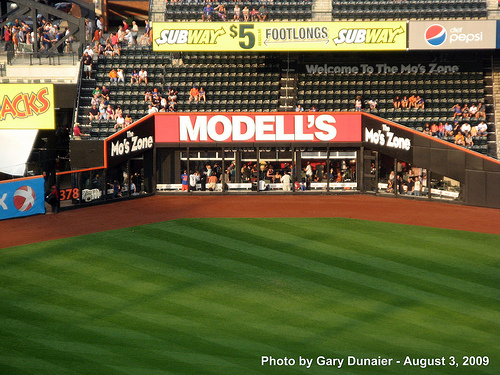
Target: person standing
[185, 181]
[53, 199]
[286, 180]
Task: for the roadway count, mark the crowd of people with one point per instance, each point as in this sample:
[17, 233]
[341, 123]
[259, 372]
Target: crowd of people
[464, 111]
[102, 110]
[219, 13]
[18, 33]
[412, 101]
[462, 133]
[161, 102]
[267, 175]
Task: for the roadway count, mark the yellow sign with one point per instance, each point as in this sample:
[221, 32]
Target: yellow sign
[27, 106]
[279, 36]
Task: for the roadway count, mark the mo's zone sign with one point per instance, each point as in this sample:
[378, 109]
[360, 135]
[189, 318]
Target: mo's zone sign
[230, 127]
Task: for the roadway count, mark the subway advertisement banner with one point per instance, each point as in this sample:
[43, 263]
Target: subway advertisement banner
[22, 197]
[257, 127]
[279, 36]
[429, 35]
[27, 106]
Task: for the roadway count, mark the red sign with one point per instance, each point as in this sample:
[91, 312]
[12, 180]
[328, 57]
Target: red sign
[257, 127]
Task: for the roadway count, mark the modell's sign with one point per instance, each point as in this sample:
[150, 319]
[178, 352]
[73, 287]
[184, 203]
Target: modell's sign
[314, 127]
[27, 106]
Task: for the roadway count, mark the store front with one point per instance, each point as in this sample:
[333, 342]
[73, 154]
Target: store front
[290, 153]
[266, 153]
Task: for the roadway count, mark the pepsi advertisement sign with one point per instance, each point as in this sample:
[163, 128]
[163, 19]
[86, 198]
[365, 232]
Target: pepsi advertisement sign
[22, 197]
[436, 35]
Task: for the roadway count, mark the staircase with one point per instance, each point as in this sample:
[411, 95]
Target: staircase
[288, 86]
[322, 10]
[495, 138]
[157, 9]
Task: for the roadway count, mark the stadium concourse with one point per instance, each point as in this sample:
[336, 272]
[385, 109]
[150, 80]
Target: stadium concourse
[127, 214]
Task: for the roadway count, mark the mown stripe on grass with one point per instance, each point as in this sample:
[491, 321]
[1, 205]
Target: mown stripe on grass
[211, 296]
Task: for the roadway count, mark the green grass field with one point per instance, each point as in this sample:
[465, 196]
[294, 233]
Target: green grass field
[215, 296]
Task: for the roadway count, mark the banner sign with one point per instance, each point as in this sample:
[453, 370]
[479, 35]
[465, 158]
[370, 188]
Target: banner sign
[387, 138]
[27, 106]
[22, 197]
[436, 35]
[279, 36]
[131, 141]
[258, 127]
[382, 68]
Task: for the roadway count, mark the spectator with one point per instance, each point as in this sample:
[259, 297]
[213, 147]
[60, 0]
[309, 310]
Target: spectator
[143, 76]
[263, 13]
[134, 32]
[185, 181]
[448, 129]
[120, 122]
[212, 182]
[120, 36]
[358, 104]
[102, 112]
[404, 102]
[152, 109]
[457, 110]
[459, 139]
[128, 38]
[118, 112]
[110, 113]
[148, 93]
[96, 91]
[172, 94]
[93, 113]
[113, 76]
[105, 93]
[481, 111]
[246, 14]
[237, 12]
[96, 100]
[194, 94]
[144, 40]
[465, 128]
[134, 76]
[128, 120]
[254, 14]
[372, 103]
[207, 12]
[396, 102]
[473, 110]
[87, 65]
[121, 76]
[468, 140]
[441, 131]
[299, 108]
[221, 12]
[77, 132]
[286, 180]
[194, 178]
[109, 50]
[482, 129]
[419, 102]
[202, 95]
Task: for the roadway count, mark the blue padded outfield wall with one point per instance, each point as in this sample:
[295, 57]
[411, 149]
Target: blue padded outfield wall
[22, 197]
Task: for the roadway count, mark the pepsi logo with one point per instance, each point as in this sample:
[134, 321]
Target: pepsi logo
[435, 35]
[24, 198]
